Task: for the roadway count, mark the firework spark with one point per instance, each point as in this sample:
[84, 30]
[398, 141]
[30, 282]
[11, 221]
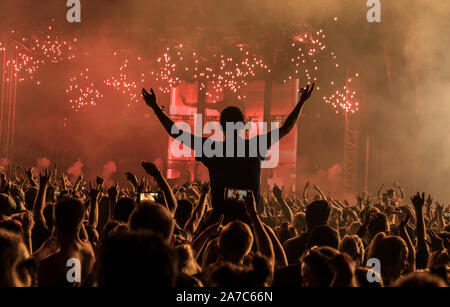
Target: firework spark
[82, 92]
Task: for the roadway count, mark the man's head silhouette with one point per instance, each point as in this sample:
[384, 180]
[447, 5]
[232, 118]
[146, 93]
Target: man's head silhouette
[230, 115]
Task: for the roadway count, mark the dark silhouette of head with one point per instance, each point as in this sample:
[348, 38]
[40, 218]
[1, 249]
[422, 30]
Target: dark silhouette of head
[354, 247]
[256, 274]
[235, 241]
[315, 271]
[69, 214]
[378, 223]
[111, 227]
[420, 280]
[153, 216]
[137, 259]
[230, 115]
[317, 214]
[392, 252]
[123, 209]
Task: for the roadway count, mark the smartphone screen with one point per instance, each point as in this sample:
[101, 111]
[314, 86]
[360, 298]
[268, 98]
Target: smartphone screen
[56, 193]
[447, 214]
[155, 195]
[235, 194]
[146, 196]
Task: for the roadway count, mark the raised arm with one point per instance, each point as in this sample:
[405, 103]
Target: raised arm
[113, 197]
[263, 242]
[94, 195]
[440, 216]
[428, 204]
[38, 208]
[29, 174]
[284, 207]
[197, 215]
[291, 120]
[206, 235]
[380, 191]
[316, 187]
[153, 171]
[402, 193]
[405, 236]
[166, 121]
[305, 191]
[278, 250]
[422, 252]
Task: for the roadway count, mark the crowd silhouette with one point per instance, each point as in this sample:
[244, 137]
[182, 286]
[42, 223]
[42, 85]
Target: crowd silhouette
[58, 233]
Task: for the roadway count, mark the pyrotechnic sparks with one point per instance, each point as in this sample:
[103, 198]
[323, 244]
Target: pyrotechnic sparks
[27, 64]
[213, 73]
[26, 54]
[82, 92]
[308, 55]
[53, 49]
[123, 83]
[345, 99]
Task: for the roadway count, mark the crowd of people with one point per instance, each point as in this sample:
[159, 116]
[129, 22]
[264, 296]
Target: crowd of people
[55, 232]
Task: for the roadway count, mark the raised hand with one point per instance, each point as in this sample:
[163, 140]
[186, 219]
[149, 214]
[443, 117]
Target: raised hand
[439, 207]
[28, 172]
[277, 192]
[95, 193]
[150, 98]
[205, 187]
[306, 93]
[197, 183]
[141, 186]
[99, 181]
[44, 178]
[418, 201]
[113, 191]
[151, 168]
[132, 178]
